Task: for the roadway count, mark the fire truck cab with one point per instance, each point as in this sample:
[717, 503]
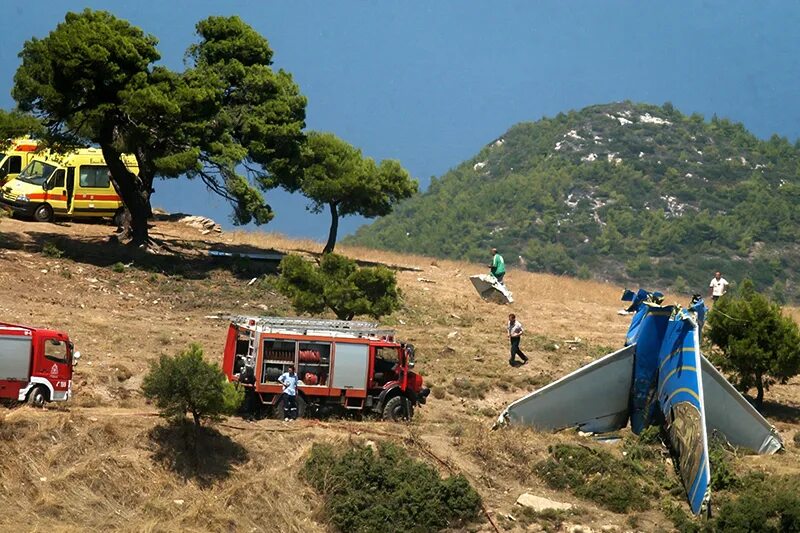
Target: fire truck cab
[354, 366]
[35, 364]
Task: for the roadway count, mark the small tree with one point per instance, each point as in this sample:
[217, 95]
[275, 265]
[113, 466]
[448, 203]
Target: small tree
[186, 383]
[759, 344]
[336, 175]
[338, 284]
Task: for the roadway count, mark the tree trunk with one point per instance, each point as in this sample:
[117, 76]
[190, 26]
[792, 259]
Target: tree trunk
[334, 229]
[196, 417]
[130, 189]
[760, 393]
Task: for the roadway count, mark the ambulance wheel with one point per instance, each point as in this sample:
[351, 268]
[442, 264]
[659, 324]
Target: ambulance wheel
[43, 213]
[397, 409]
[119, 217]
[37, 397]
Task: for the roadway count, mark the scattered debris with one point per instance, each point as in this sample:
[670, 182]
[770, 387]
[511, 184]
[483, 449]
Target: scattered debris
[425, 280]
[251, 281]
[452, 334]
[201, 223]
[539, 504]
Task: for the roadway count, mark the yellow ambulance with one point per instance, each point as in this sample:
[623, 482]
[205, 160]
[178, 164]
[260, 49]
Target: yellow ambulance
[76, 185]
[19, 153]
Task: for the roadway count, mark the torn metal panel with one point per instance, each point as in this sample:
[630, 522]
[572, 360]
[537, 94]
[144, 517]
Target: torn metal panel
[490, 289]
[593, 398]
[729, 413]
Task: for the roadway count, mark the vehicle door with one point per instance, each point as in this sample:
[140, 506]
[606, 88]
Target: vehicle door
[53, 361]
[94, 196]
[56, 192]
[10, 168]
[70, 188]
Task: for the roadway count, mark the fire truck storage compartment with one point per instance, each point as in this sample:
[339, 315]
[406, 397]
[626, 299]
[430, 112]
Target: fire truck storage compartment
[15, 357]
[350, 363]
[314, 359]
[278, 355]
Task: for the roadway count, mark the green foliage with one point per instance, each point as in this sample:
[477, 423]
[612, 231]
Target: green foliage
[387, 490]
[337, 176]
[615, 484]
[15, 124]
[766, 504]
[118, 267]
[759, 345]
[93, 80]
[723, 472]
[709, 191]
[186, 383]
[340, 285]
[51, 249]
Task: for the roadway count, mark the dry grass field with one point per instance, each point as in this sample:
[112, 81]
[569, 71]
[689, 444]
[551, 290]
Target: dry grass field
[105, 461]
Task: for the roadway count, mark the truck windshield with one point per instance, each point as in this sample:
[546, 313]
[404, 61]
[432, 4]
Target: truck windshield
[36, 173]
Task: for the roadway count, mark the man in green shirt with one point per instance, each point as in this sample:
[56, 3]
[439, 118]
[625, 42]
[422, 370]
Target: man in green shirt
[498, 266]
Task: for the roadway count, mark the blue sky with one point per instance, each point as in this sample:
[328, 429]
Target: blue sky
[430, 82]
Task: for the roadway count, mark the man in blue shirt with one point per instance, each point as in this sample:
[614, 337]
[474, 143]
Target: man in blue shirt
[289, 381]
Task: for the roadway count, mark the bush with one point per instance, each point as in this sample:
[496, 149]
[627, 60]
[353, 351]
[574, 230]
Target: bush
[51, 250]
[186, 383]
[118, 267]
[759, 344]
[340, 285]
[766, 504]
[596, 475]
[387, 490]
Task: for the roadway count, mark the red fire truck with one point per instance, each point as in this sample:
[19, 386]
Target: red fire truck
[35, 364]
[341, 364]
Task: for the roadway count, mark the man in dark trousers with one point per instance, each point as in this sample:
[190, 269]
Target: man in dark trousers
[514, 333]
[289, 381]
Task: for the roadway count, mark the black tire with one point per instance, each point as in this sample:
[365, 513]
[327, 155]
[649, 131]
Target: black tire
[37, 397]
[119, 217]
[43, 213]
[397, 409]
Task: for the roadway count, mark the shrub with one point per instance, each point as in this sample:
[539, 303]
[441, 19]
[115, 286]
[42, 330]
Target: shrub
[50, 249]
[119, 268]
[186, 383]
[386, 490]
[765, 504]
[596, 475]
[759, 344]
[340, 285]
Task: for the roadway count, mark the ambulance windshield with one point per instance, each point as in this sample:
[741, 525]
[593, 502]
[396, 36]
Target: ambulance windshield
[36, 173]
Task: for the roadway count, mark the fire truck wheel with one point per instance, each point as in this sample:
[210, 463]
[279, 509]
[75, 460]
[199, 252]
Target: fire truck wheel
[43, 213]
[37, 397]
[395, 409]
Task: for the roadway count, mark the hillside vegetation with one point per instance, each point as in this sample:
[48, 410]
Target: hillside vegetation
[105, 461]
[623, 192]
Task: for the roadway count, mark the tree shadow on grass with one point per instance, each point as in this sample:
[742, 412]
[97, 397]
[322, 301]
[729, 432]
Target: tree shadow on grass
[201, 454]
[781, 412]
[185, 258]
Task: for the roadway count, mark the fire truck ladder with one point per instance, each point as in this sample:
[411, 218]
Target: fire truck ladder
[304, 325]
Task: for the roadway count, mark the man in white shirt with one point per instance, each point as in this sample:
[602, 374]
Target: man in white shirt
[289, 381]
[717, 287]
[514, 333]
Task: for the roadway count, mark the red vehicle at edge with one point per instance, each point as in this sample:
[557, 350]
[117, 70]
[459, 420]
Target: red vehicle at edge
[344, 364]
[35, 364]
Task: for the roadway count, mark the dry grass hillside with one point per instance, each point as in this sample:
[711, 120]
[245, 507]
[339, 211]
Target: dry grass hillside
[105, 461]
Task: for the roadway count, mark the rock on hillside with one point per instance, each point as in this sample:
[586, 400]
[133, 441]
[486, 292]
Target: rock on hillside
[628, 192]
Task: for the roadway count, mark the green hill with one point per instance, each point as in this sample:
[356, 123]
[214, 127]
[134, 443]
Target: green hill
[627, 192]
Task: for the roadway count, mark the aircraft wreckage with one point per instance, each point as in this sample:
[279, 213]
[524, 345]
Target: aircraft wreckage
[659, 377]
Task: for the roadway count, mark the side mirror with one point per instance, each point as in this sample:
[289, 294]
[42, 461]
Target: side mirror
[75, 357]
[46, 186]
